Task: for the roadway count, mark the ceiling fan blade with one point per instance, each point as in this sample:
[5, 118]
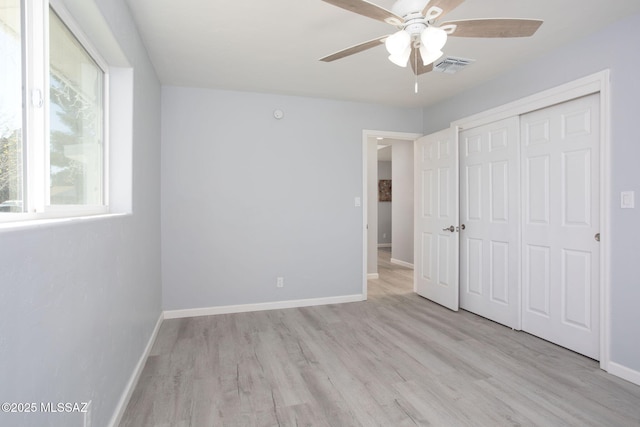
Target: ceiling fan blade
[363, 7]
[354, 49]
[417, 64]
[495, 28]
[446, 6]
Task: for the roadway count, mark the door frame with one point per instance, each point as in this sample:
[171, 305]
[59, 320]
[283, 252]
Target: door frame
[366, 135]
[594, 83]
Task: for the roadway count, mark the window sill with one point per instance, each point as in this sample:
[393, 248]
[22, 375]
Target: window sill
[31, 224]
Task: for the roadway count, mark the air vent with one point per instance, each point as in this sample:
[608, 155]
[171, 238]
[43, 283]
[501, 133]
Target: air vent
[451, 65]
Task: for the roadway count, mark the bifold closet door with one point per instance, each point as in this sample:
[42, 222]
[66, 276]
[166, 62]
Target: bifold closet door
[561, 217]
[489, 213]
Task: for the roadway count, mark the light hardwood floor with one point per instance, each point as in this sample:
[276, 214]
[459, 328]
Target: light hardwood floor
[394, 360]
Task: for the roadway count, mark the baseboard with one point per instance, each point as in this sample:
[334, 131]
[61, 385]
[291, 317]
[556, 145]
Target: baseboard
[229, 309]
[384, 245]
[135, 376]
[402, 263]
[624, 372]
[373, 276]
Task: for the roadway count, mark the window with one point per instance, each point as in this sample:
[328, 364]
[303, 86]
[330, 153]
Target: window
[10, 107]
[52, 115]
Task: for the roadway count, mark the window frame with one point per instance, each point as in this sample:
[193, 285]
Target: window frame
[36, 114]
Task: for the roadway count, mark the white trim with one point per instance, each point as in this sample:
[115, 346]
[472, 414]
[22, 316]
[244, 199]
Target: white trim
[585, 86]
[50, 222]
[244, 308]
[384, 245]
[373, 276]
[594, 83]
[365, 212]
[402, 263]
[366, 134]
[623, 372]
[605, 220]
[135, 376]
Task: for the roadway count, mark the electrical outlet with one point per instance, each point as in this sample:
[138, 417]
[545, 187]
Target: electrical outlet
[280, 282]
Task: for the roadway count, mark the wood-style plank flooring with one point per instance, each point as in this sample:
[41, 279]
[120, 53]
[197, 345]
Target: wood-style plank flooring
[394, 360]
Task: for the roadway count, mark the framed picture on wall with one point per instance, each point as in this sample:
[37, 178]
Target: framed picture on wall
[384, 190]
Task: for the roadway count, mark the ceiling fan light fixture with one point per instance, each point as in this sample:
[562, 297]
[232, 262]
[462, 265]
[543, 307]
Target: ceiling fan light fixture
[429, 56]
[402, 59]
[433, 38]
[397, 43]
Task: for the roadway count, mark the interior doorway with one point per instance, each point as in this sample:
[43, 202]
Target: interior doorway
[401, 193]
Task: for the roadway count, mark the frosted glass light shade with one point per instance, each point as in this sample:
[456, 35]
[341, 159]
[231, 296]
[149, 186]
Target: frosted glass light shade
[434, 38]
[398, 42]
[403, 59]
[429, 56]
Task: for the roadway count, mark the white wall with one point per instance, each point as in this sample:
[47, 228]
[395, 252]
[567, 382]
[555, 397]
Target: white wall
[613, 48]
[247, 198]
[79, 301]
[384, 208]
[402, 208]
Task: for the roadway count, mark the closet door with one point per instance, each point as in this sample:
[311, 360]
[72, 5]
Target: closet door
[489, 212]
[561, 207]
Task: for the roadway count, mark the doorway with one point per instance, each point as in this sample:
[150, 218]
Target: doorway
[402, 189]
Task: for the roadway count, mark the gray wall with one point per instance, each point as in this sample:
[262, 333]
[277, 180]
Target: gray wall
[384, 208]
[78, 302]
[614, 48]
[247, 198]
[402, 216]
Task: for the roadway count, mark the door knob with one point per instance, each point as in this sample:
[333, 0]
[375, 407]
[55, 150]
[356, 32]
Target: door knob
[462, 227]
[451, 229]
[597, 237]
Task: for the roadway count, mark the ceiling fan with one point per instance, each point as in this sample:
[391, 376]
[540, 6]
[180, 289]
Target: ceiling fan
[421, 35]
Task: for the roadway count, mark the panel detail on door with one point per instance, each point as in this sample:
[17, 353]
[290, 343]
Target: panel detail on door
[536, 133]
[473, 145]
[443, 261]
[444, 187]
[536, 284]
[499, 274]
[576, 177]
[498, 139]
[576, 123]
[474, 263]
[576, 288]
[537, 198]
[499, 194]
[427, 259]
[473, 193]
[426, 201]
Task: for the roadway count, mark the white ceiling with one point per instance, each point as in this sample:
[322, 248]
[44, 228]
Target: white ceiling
[273, 46]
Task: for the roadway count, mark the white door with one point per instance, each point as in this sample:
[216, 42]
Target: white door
[490, 221]
[561, 217]
[436, 218]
